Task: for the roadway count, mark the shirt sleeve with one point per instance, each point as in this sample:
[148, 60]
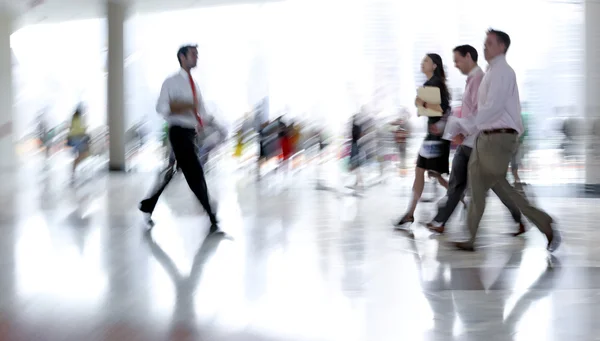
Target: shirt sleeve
[474, 93]
[497, 95]
[162, 105]
[469, 123]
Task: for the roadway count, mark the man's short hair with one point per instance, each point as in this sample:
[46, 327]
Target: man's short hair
[183, 51]
[463, 50]
[502, 38]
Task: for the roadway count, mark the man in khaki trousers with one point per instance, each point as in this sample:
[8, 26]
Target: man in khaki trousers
[498, 125]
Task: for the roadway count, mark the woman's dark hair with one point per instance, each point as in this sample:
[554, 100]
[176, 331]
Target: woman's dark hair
[440, 73]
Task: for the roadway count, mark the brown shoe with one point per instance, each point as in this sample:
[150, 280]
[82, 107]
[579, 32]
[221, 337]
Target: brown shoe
[437, 229]
[465, 246]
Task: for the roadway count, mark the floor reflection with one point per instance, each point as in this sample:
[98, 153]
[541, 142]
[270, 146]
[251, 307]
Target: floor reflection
[475, 315]
[303, 264]
[185, 285]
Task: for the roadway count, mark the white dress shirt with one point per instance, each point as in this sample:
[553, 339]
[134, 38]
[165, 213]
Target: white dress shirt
[178, 88]
[499, 105]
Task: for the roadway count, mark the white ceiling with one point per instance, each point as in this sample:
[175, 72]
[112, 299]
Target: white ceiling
[48, 11]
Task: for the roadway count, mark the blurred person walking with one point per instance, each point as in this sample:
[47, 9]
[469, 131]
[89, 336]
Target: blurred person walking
[401, 136]
[182, 105]
[323, 142]
[496, 129]
[355, 151]
[435, 152]
[43, 134]
[78, 139]
[239, 144]
[286, 144]
[465, 60]
[262, 148]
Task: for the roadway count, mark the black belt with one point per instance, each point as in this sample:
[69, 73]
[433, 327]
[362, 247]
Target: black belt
[499, 131]
[182, 128]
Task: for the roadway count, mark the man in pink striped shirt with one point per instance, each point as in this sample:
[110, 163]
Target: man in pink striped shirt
[465, 59]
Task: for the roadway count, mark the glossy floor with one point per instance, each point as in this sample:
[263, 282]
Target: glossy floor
[299, 263]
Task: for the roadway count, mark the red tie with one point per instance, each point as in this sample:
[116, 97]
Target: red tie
[198, 118]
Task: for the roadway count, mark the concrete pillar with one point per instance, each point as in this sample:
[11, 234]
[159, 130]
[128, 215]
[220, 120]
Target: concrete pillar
[592, 99]
[116, 16]
[7, 146]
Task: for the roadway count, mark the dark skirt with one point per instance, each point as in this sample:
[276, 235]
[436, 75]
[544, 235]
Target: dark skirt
[438, 164]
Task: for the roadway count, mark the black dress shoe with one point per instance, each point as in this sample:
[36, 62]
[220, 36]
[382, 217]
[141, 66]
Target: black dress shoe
[147, 214]
[214, 229]
[520, 231]
[404, 222]
[144, 207]
[465, 246]
[554, 240]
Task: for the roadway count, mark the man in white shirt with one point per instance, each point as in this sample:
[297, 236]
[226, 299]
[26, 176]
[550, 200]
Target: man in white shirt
[496, 128]
[465, 59]
[180, 102]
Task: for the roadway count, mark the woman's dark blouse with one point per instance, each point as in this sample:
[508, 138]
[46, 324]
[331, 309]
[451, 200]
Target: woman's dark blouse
[438, 83]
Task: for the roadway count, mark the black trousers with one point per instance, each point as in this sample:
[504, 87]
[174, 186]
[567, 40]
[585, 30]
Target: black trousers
[458, 185]
[183, 142]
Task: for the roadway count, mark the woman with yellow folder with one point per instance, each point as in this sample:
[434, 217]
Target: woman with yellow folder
[435, 151]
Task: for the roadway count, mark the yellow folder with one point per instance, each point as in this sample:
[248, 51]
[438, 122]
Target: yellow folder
[431, 95]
